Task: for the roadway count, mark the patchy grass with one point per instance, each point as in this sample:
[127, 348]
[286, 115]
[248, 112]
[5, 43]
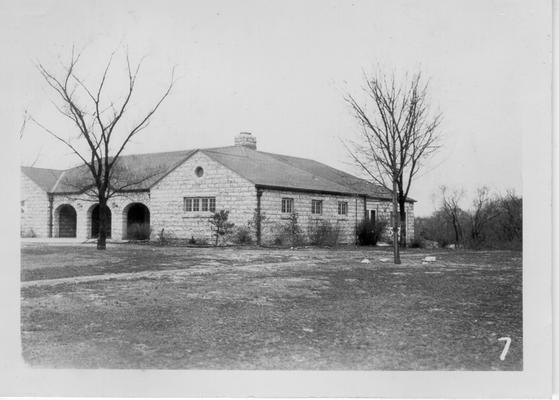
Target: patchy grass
[269, 308]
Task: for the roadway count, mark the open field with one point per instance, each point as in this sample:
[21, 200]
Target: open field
[137, 306]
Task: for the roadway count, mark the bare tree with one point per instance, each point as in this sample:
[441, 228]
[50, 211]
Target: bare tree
[483, 211]
[452, 211]
[398, 133]
[96, 120]
[511, 207]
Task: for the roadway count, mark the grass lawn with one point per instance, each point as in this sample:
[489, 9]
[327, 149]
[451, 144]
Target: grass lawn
[136, 306]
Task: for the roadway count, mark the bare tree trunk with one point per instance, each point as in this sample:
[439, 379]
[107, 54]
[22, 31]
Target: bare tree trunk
[403, 233]
[457, 230]
[102, 238]
[395, 222]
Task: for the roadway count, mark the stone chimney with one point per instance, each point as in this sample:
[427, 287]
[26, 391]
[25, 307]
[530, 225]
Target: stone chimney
[245, 139]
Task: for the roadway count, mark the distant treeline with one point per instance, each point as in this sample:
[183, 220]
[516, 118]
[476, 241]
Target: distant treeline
[493, 221]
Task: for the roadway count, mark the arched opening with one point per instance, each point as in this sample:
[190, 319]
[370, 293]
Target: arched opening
[67, 221]
[136, 222]
[94, 212]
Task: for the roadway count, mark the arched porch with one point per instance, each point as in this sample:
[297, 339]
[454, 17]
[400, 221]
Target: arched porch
[93, 221]
[65, 221]
[136, 222]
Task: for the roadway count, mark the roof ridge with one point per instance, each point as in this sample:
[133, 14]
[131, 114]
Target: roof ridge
[57, 181]
[225, 166]
[41, 168]
[135, 154]
[324, 165]
[314, 176]
[349, 186]
[189, 154]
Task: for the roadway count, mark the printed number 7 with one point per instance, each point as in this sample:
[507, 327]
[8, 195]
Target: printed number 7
[507, 346]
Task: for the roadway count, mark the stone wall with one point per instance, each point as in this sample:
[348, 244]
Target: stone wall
[231, 192]
[83, 205]
[34, 208]
[275, 219]
[384, 211]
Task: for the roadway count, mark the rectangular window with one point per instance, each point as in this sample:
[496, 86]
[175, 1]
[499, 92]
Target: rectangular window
[342, 207]
[187, 204]
[316, 207]
[287, 205]
[199, 204]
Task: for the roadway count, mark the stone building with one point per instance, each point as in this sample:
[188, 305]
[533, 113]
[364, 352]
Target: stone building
[177, 193]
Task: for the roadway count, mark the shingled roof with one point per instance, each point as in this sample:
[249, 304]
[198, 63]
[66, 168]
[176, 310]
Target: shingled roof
[285, 172]
[132, 172]
[43, 177]
[269, 170]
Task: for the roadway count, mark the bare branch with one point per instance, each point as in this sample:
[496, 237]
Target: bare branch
[96, 127]
[66, 142]
[26, 118]
[398, 132]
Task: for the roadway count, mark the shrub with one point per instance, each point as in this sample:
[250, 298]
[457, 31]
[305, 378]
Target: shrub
[369, 232]
[191, 240]
[198, 241]
[416, 243]
[220, 224]
[243, 235]
[166, 237]
[290, 233]
[139, 231]
[322, 233]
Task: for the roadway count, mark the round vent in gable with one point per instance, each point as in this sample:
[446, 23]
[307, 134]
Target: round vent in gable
[199, 171]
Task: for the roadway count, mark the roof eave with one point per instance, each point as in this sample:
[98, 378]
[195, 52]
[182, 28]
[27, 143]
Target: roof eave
[294, 189]
[172, 169]
[82, 192]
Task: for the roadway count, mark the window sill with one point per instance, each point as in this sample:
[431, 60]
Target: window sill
[197, 214]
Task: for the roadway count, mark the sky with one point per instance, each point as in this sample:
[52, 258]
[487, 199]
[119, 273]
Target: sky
[281, 70]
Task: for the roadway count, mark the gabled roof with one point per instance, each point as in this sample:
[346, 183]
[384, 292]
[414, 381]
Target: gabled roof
[357, 185]
[43, 177]
[285, 172]
[143, 171]
[262, 169]
[132, 172]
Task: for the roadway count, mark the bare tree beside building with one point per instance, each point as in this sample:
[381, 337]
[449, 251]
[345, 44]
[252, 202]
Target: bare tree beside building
[399, 131]
[99, 136]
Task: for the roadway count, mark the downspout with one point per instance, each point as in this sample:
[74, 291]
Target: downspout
[51, 199]
[258, 217]
[356, 220]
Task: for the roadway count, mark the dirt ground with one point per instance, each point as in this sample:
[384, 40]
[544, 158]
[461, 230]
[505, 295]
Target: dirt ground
[141, 306]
